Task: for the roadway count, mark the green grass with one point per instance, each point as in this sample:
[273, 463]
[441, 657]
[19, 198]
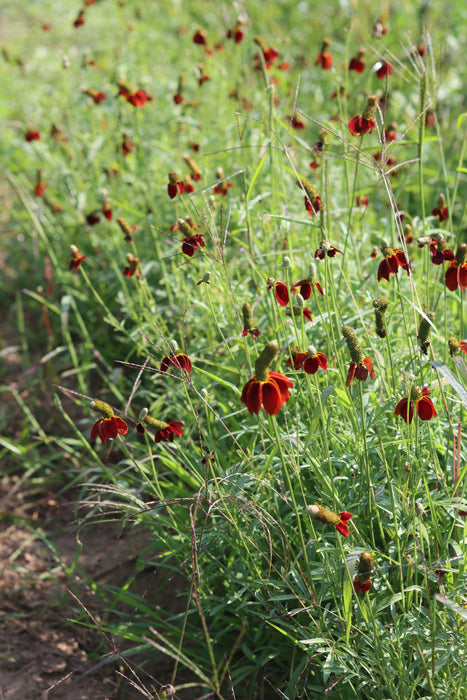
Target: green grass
[269, 608]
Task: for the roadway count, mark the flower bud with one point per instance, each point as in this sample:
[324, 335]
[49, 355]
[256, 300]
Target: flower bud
[299, 301]
[286, 263]
[142, 414]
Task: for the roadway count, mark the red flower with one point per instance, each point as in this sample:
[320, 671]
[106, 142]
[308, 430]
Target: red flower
[439, 250]
[163, 432]
[269, 54]
[456, 274]
[222, 187]
[456, 345]
[93, 218]
[306, 286]
[40, 189]
[362, 581]
[359, 125]
[325, 248]
[390, 133]
[127, 145]
[265, 388]
[191, 243]
[137, 98]
[76, 258]
[200, 37]
[384, 70]
[360, 371]
[441, 210]
[280, 291]
[324, 58]
[270, 393]
[394, 258]
[324, 515]
[133, 266]
[313, 206]
[110, 425]
[96, 96]
[249, 325]
[176, 359]
[424, 405]
[175, 185]
[357, 63]
[32, 135]
[236, 34]
[311, 360]
[109, 428]
[79, 21]
[296, 123]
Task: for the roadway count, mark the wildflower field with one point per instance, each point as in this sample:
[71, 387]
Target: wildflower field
[234, 251]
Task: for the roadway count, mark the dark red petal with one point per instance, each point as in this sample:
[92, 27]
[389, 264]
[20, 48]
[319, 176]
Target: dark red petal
[319, 288]
[322, 360]
[384, 270]
[462, 276]
[299, 360]
[343, 529]
[311, 365]
[176, 427]
[281, 293]
[368, 362]
[272, 399]
[283, 383]
[361, 372]
[172, 190]
[95, 430]
[451, 278]
[122, 427]
[393, 263]
[253, 396]
[351, 374]
[401, 410]
[305, 288]
[425, 409]
[355, 125]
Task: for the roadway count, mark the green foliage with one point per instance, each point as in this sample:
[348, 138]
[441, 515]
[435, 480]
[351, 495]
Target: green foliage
[268, 606]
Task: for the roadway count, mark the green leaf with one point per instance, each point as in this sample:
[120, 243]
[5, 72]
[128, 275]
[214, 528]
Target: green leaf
[451, 379]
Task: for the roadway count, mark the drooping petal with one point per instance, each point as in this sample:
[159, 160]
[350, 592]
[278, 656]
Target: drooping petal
[284, 385]
[404, 409]
[311, 364]
[384, 270]
[462, 276]
[425, 409]
[272, 400]
[451, 278]
[368, 362]
[351, 374]
[122, 427]
[281, 293]
[252, 397]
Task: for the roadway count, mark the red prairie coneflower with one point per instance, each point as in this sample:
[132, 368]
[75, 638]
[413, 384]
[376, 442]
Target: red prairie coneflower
[175, 185]
[162, 431]
[76, 258]
[361, 123]
[133, 266]
[419, 398]
[383, 70]
[456, 274]
[249, 325]
[176, 359]
[456, 345]
[357, 63]
[265, 388]
[439, 250]
[393, 259]
[280, 291]
[360, 367]
[324, 58]
[325, 248]
[441, 210]
[110, 425]
[362, 581]
[305, 286]
[311, 360]
[326, 516]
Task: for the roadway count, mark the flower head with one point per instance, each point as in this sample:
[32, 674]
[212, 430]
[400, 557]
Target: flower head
[384, 69]
[222, 187]
[313, 202]
[133, 266]
[357, 63]
[162, 431]
[249, 325]
[269, 54]
[324, 58]
[393, 259]
[362, 581]
[176, 359]
[76, 258]
[361, 123]
[280, 291]
[265, 388]
[311, 360]
[192, 240]
[127, 145]
[424, 405]
[175, 185]
[360, 367]
[237, 32]
[195, 171]
[32, 135]
[306, 285]
[96, 95]
[381, 305]
[439, 250]
[456, 274]
[109, 426]
[456, 345]
[137, 98]
[424, 331]
[325, 248]
[441, 210]
[326, 516]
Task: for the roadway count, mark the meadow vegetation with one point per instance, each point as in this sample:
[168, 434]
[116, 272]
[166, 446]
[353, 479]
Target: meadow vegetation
[237, 259]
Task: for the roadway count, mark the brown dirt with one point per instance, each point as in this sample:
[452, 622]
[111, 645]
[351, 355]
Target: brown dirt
[42, 654]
